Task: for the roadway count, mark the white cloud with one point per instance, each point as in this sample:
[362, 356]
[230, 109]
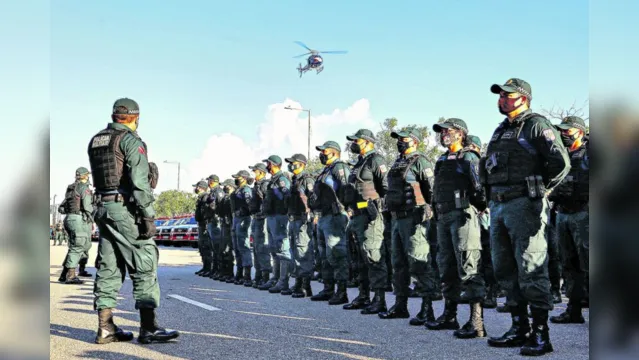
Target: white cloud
[283, 132]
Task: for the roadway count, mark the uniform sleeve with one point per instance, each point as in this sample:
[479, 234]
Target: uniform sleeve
[87, 200]
[379, 176]
[341, 172]
[545, 139]
[282, 188]
[425, 177]
[137, 167]
[248, 195]
[477, 195]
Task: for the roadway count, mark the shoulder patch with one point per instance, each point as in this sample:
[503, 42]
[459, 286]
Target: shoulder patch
[548, 134]
[100, 141]
[282, 183]
[341, 172]
[382, 168]
[429, 172]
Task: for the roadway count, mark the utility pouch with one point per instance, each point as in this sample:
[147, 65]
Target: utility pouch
[535, 185]
[458, 202]
[372, 211]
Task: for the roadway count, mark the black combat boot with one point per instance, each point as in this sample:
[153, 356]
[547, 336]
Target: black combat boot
[232, 276]
[378, 305]
[425, 313]
[490, 301]
[263, 279]
[341, 295]
[397, 311]
[327, 293]
[215, 269]
[282, 283]
[518, 333]
[247, 276]
[63, 275]
[539, 341]
[363, 300]
[474, 328]
[72, 279]
[150, 331]
[572, 315]
[306, 286]
[503, 308]
[239, 276]
[201, 270]
[228, 273]
[207, 268]
[108, 332]
[82, 268]
[297, 291]
[448, 319]
[274, 279]
[556, 294]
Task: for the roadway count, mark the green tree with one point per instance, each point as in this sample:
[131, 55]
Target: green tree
[314, 166]
[387, 146]
[173, 202]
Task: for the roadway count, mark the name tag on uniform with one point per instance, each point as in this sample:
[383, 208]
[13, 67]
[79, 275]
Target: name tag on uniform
[102, 140]
[362, 204]
[508, 135]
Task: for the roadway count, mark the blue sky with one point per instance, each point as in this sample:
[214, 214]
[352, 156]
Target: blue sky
[199, 69]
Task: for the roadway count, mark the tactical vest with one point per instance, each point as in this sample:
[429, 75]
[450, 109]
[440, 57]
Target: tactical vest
[298, 202]
[361, 186]
[272, 204]
[452, 184]
[240, 207]
[72, 199]
[215, 197]
[404, 193]
[575, 187]
[199, 207]
[226, 210]
[326, 178]
[258, 196]
[510, 158]
[107, 161]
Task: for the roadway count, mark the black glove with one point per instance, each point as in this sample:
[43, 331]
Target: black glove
[147, 228]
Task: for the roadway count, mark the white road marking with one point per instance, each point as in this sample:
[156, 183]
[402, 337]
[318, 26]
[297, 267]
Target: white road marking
[193, 302]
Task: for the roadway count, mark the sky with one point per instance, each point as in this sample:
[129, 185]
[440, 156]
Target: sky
[212, 78]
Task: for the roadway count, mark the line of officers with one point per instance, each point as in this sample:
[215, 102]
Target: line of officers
[299, 221]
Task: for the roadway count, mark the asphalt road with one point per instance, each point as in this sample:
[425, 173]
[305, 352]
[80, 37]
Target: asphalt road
[225, 321]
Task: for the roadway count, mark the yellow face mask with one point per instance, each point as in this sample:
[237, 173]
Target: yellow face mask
[259, 175]
[213, 184]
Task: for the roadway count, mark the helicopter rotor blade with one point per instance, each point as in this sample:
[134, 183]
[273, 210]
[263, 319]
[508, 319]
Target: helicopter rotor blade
[299, 56]
[303, 45]
[333, 52]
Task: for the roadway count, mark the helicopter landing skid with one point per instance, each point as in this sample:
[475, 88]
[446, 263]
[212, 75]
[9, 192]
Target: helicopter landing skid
[319, 69]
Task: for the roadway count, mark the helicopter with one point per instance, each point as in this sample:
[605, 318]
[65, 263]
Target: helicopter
[314, 61]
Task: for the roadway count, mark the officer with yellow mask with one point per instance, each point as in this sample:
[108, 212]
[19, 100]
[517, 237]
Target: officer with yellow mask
[241, 223]
[261, 252]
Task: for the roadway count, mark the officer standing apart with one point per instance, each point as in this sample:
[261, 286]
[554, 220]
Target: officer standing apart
[263, 266]
[78, 208]
[367, 186]
[573, 217]
[275, 208]
[216, 193]
[328, 200]
[125, 217]
[242, 223]
[410, 182]
[203, 242]
[60, 234]
[457, 197]
[300, 226]
[524, 159]
[225, 212]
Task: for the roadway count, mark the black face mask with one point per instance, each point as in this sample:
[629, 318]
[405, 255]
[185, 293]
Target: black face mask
[291, 167]
[445, 140]
[227, 190]
[323, 158]
[568, 140]
[402, 146]
[355, 148]
[238, 182]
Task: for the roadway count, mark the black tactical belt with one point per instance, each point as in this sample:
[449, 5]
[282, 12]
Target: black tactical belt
[444, 208]
[297, 217]
[401, 214]
[572, 208]
[114, 198]
[508, 195]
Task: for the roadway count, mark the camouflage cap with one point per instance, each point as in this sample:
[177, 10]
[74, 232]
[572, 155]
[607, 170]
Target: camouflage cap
[213, 178]
[82, 171]
[273, 159]
[229, 182]
[474, 139]
[410, 132]
[242, 173]
[329, 145]
[258, 166]
[201, 184]
[297, 157]
[513, 85]
[570, 122]
[362, 134]
[125, 106]
[454, 123]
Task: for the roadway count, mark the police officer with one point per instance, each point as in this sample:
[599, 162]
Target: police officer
[490, 301]
[125, 217]
[275, 207]
[216, 194]
[410, 182]
[60, 234]
[203, 242]
[300, 226]
[572, 224]
[524, 159]
[388, 245]
[241, 224]
[367, 186]
[225, 212]
[261, 252]
[457, 197]
[78, 208]
[328, 200]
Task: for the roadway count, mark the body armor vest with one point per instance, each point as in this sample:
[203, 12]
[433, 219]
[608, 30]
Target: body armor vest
[404, 192]
[298, 202]
[272, 204]
[452, 184]
[212, 201]
[326, 178]
[107, 161]
[239, 203]
[72, 199]
[510, 158]
[257, 199]
[361, 186]
[199, 207]
[576, 185]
